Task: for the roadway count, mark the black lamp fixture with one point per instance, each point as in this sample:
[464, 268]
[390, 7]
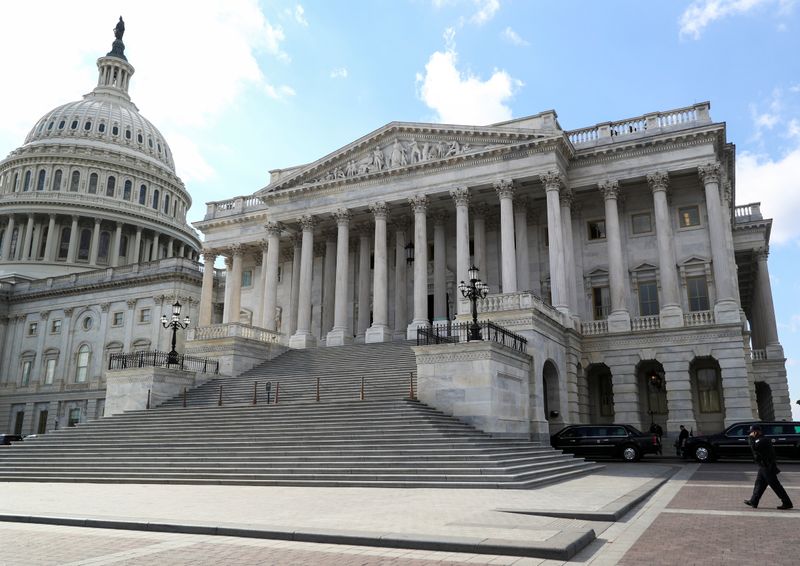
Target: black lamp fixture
[655, 379]
[474, 290]
[174, 323]
[410, 252]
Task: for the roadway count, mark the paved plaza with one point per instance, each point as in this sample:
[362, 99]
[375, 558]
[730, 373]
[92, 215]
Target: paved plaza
[692, 515]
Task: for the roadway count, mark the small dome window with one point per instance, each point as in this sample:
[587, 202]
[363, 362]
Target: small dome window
[61, 125]
[128, 134]
[101, 128]
[115, 130]
[50, 126]
[74, 125]
[158, 145]
[150, 142]
[41, 127]
[88, 125]
[87, 323]
[139, 138]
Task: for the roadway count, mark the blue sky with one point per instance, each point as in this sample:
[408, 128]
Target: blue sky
[239, 87]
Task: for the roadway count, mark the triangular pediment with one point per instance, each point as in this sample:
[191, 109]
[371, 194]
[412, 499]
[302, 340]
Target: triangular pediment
[694, 260]
[644, 267]
[399, 147]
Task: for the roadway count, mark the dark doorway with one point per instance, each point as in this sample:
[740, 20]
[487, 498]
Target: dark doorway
[41, 428]
[18, 419]
[766, 410]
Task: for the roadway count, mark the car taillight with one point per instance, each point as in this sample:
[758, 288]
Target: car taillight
[655, 440]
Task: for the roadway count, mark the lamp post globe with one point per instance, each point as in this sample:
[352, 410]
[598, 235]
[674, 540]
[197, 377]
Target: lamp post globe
[474, 290]
[175, 323]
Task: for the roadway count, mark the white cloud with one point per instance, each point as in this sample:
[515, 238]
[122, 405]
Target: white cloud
[793, 129]
[339, 73]
[486, 11]
[460, 97]
[513, 37]
[701, 13]
[190, 158]
[776, 184]
[300, 15]
[280, 92]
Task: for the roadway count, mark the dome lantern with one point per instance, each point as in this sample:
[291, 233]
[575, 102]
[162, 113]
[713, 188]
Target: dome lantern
[114, 70]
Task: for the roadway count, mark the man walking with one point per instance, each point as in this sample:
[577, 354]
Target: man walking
[764, 455]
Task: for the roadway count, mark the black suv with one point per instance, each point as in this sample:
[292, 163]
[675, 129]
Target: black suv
[606, 441]
[732, 442]
[9, 438]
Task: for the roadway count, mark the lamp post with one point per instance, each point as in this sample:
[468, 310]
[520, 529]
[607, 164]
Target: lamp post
[474, 290]
[174, 323]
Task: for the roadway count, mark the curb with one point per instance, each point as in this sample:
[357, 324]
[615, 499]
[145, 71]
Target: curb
[562, 546]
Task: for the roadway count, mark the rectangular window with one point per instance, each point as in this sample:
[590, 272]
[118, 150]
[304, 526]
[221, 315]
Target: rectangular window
[49, 371]
[247, 278]
[708, 390]
[144, 316]
[642, 223]
[118, 319]
[55, 326]
[597, 229]
[601, 302]
[74, 417]
[33, 328]
[689, 216]
[648, 298]
[26, 372]
[697, 290]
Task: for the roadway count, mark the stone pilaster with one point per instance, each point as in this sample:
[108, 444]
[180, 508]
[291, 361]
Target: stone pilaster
[379, 331]
[505, 191]
[328, 282]
[303, 338]
[479, 213]
[460, 196]
[207, 290]
[553, 181]
[619, 320]
[401, 225]
[565, 199]
[419, 204]
[439, 268]
[364, 272]
[273, 230]
[341, 333]
[521, 244]
[670, 311]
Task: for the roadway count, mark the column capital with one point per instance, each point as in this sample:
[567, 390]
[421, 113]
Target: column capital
[68, 311]
[209, 255]
[379, 210]
[105, 306]
[76, 218]
[609, 188]
[460, 195]
[552, 180]
[658, 181]
[342, 217]
[439, 216]
[236, 249]
[131, 303]
[710, 172]
[762, 254]
[480, 210]
[307, 223]
[273, 228]
[504, 188]
[263, 245]
[566, 197]
[52, 215]
[97, 221]
[44, 315]
[521, 204]
[419, 203]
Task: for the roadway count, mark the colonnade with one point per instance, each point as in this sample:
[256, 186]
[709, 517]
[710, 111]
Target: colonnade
[514, 260]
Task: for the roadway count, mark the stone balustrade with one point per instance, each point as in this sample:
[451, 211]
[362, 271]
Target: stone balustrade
[593, 327]
[504, 302]
[698, 318]
[652, 322]
[747, 212]
[234, 206]
[233, 330]
[757, 355]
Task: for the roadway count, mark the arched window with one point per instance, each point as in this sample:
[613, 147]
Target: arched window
[155, 199]
[142, 194]
[93, 183]
[84, 243]
[127, 133]
[50, 126]
[75, 181]
[111, 184]
[126, 191]
[14, 239]
[150, 142]
[43, 243]
[27, 183]
[74, 124]
[16, 182]
[61, 125]
[123, 246]
[63, 247]
[57, 180]
[105, 244]
[114, 130]
[101, 128]
[82, 364]
[40, 180]
[87, 126]
[139, 137]
[166, 204]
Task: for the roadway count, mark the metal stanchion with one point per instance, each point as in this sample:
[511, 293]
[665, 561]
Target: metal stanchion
[277, 391]
[255, 393]
[411, 385]
[148, 400]
[184, 397]
[219, 403]
[362, 387]
[317, 390]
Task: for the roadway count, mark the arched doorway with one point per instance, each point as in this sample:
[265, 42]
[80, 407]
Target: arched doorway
[766, 410]
[652, 385]
[709, 402]
[601, 394]
[551, 396]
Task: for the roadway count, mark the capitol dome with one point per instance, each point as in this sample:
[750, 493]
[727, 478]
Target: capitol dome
[94, 185]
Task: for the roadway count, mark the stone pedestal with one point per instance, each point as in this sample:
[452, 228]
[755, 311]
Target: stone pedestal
[236, 354]
[378, 334]
[671, 317]
[301, 341]
[126, 390]
[338, 337]
[482, 383]
[619, 321]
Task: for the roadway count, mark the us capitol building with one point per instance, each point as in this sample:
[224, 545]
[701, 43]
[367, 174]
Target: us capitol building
[616, 250]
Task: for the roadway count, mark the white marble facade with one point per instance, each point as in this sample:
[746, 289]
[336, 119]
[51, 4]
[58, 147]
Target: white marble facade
[615, 249]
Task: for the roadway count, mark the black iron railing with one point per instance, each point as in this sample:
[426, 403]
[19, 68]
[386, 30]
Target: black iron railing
[163, 359]
[457, 332]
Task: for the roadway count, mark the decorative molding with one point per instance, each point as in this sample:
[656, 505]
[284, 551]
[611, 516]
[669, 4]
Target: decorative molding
[609, 188]
[273, 228]
[552, 180]
[379, 210]
[504, 188]
[566, 198]
[419, 203]
[658, 181]
[710, 172]
[460, 196]
[342, 217]
[307, 223]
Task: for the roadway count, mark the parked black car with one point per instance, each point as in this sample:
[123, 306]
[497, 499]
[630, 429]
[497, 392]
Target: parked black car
[606, 441]
[9, 438]
[732, 442]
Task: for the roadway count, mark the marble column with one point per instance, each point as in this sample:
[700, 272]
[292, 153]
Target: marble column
[328, 282]
[207, 290]
[137, 246]
[294, 297]
[460, 196]
[272, 263]
[559, 296]
[401, 224]
[115, 245]
[419, 204]
[439, 268]
[619, 320]
[226, 298]
[154, 251]
[565, 199]
[364, 251]
[95, 247]
[379, 331]
[74, 237]
[7, 239]
[479, 213]
[505, 190]
[258, 284]
[341, 333]
[769, 329]
[28, 238]
[725, 309]
[170, 244]
[521, 244]
[234, 304]
[49, 246]
[670, 310]
[303, 338]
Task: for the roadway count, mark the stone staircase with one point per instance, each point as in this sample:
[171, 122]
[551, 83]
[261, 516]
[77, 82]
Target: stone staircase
[386, 440]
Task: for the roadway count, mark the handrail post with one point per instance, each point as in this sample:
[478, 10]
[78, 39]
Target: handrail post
[219, 402]
[255, 393]
[277, 390]
[362, 387]
[317, 390]
[184, 397]
[148, 400]
[411, 385]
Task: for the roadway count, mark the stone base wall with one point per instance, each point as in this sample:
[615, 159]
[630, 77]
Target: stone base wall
[127, 389]
[236, 355]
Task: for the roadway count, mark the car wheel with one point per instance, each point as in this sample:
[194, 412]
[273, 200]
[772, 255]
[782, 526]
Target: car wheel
[703, 454]
[630, 453]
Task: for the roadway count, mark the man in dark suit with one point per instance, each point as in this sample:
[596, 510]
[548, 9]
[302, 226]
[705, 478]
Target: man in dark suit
[764, 455]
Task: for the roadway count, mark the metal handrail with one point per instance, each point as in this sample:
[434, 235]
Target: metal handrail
[459, 332]
[162, 359]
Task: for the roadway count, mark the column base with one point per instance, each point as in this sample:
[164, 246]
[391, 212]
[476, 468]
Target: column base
[411, 332]
[726, 312]
[301, 341]
[671, 317]
[619, 321]
[378, 333]
[338, 337]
